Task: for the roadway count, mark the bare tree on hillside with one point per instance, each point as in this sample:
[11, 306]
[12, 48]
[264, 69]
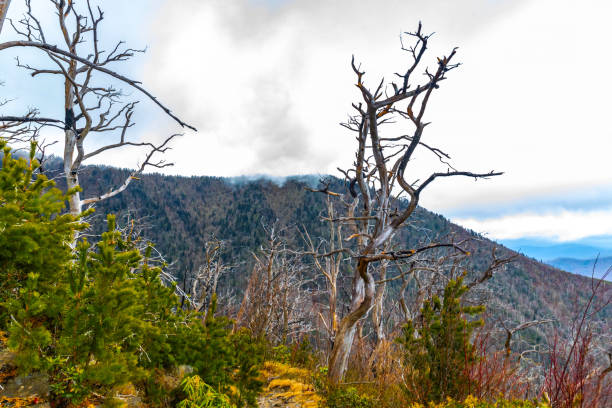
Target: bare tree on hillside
[327, 255]
[93, 109]
[200, 286]
[378, 177]
[276, 303]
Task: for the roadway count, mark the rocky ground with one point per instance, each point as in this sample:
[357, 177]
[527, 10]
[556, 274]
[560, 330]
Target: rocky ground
[278, 400]
[19, 391]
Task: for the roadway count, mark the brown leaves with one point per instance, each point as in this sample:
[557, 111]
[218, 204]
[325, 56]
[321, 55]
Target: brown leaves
[19, 402]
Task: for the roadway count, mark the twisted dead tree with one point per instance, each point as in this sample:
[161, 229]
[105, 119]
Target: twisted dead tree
[380, 197]
[95, 112]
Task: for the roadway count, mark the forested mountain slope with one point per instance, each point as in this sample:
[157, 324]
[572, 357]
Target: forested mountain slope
[181, 213]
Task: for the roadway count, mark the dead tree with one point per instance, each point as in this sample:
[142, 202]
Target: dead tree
[510, 331]
[275, 304]
[201, 286]
[327, 256]
[380, 197]
[425, 274]
[92, 109]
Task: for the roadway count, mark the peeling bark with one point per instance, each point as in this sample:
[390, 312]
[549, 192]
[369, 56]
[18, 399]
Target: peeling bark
[378, 309]
[362, 296]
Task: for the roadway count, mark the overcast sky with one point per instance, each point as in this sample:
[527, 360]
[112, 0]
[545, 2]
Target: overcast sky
[266, 82]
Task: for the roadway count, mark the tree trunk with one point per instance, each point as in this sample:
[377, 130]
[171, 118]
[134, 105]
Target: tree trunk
[72, 176]
[379, 303]
[362, 296]
[4, 5]
[333, 319]
[70, 142]
[285, 317]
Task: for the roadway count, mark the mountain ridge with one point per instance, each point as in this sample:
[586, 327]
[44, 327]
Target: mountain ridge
[180, 213]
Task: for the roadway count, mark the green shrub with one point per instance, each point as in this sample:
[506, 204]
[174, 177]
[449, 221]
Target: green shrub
[281, 353]
[201, 395]
[34, 238]
[347, 398]
[249, 354]
[302, 353]
[94, 337]
[298, 354]
[438, 351]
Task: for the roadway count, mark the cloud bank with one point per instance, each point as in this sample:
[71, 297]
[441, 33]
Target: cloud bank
[267, 86]
[561, 226]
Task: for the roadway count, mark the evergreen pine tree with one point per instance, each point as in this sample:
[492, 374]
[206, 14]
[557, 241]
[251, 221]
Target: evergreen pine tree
[98, 315]
[438, 351]
[35, 239]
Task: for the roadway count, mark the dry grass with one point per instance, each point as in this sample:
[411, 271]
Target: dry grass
[274, 369]
[290, 384]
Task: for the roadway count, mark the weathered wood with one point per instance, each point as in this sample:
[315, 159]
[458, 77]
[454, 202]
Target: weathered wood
[4, 5]
[377, 173]
[91, 110]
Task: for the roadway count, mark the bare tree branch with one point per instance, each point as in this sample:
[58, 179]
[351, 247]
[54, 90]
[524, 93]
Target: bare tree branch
[54, 50]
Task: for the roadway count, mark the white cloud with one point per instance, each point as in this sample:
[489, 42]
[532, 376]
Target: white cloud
[561, 226]
[267, 87]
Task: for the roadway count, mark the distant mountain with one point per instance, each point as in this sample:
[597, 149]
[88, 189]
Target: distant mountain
[584, 267]
[547, 250]
[311, 180]
[181, 213]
